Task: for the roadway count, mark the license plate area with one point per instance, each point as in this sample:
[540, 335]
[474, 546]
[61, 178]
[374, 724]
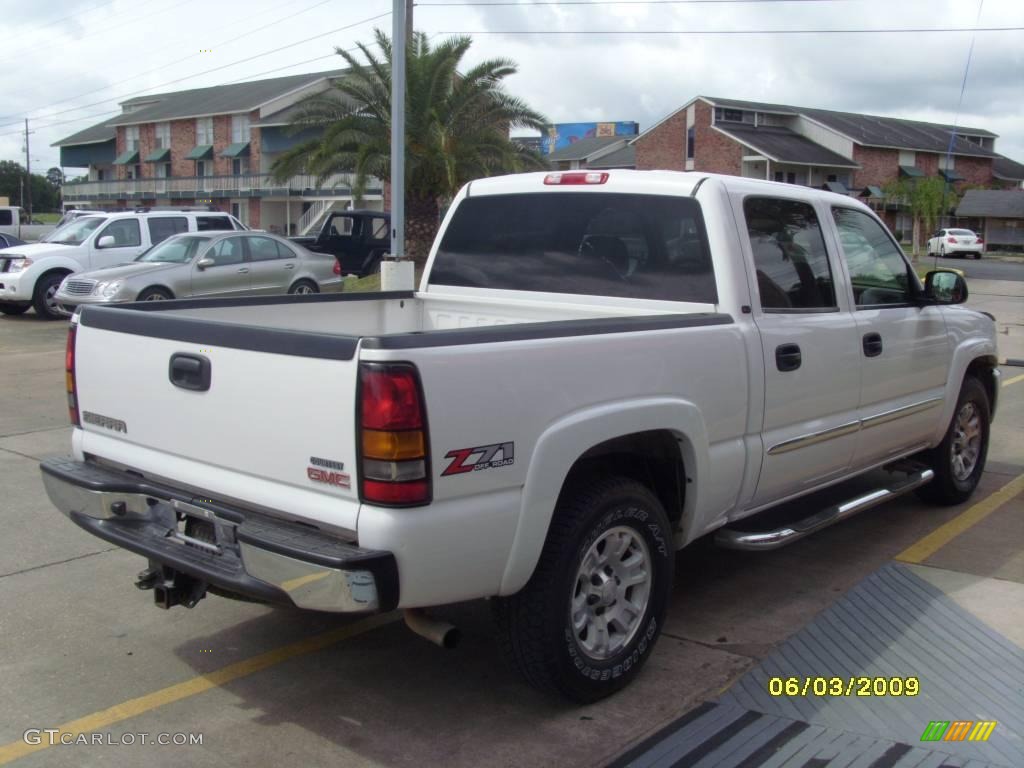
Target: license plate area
[200, 528]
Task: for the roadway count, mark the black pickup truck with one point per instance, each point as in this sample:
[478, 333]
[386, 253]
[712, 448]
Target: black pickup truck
[357, 239]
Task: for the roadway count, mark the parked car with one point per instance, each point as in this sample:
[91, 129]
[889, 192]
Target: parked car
[956, 242]
[31, 274]
[598, 369]
[205, 265]
[8, 241]
[357, 239]
[14, 221]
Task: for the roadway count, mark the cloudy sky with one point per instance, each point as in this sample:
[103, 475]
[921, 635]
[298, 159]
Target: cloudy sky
[69, 63]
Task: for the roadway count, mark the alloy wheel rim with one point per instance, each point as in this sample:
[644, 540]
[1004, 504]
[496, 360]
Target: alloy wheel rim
[154, 297]
[611, 592]
[303, 289]
[51, 298]
[966, 441]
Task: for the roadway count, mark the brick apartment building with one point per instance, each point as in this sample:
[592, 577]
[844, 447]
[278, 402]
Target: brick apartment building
[843, 151]
[209, 146]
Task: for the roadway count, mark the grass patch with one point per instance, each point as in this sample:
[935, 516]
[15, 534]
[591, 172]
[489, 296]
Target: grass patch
[47, 218]
[372, 282]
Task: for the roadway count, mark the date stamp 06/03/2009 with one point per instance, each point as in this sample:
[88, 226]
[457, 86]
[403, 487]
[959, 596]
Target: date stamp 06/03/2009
[844, 686]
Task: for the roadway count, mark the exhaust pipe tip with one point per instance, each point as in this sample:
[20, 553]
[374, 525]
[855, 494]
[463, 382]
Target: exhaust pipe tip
[440, 633]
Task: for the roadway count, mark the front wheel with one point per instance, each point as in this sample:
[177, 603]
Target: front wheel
[44, 298]
[586, 622]
[959, 459]
[154, 294]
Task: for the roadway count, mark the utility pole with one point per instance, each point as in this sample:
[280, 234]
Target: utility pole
[398, 47]
[408, 21]
[28, 173]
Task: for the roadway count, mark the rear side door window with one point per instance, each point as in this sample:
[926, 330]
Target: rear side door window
[793, 272]
[879, 273]
[263, 249]
[162, 227]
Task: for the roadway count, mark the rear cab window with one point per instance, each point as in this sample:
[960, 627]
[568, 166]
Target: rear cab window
[596, 244]
[214, 223]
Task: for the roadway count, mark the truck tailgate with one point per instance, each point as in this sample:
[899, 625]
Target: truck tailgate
[274, 428]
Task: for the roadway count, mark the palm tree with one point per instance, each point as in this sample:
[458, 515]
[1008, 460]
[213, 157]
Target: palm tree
[457, 126]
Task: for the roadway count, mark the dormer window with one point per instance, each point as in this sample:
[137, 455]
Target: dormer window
[729, 115]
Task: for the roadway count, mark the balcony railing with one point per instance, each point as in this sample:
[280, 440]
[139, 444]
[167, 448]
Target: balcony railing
[220, 186]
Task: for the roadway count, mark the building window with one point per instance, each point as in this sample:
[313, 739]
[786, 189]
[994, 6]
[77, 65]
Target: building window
[239, 128]
[162, 131]
[204, 130]
[729, 115]
[163, 170]
[691, 138]
[204, 168]
[99, 174]
[946, 162]
[780, 176]
[907, 157]
[131, 138]
[832, 177]
[240, 166]
[133, 171]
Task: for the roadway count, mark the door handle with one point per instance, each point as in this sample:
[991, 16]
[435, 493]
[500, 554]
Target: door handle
[243, 270]
[872, 344]
[190, 372]
[788, 357]
[289, 266]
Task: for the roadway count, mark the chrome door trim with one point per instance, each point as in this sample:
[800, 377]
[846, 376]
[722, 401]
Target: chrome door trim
[898, 413]
[815, 437]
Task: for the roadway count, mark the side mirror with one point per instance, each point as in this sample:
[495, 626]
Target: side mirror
[107, 241]
[943, 286]
[204, 263]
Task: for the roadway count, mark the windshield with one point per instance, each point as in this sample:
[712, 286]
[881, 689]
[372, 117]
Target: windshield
[78, 231]
[178, 250]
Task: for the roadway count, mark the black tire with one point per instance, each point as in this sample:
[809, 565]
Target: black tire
[977, 256]
[154, 294]
[950, 485]
[304, 287]
[14, 309]
[43, 296]
[536, 626]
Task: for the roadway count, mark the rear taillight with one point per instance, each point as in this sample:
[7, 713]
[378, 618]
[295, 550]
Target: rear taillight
[952, 240]
[337, 267]
[69, 376]
[980, 239]
[392, 436]
[579, 177]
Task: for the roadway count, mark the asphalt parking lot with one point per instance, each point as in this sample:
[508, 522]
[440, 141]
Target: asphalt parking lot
[86, 652]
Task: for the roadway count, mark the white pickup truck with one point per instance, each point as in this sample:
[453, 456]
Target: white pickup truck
[597, 369]
[14, 221]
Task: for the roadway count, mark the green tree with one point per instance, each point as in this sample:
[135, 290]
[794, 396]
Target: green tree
[928, 200]
[45, 196]
[457, 128]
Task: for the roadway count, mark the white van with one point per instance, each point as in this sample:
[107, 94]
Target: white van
[31, 274]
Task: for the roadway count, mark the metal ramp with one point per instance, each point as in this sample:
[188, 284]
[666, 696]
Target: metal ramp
[893, 624]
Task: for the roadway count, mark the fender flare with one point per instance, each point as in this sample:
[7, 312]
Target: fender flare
[965, 354]
[561, 445]
[49, 264]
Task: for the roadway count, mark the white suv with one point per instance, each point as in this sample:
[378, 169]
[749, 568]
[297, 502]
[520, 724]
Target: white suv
[31, 274]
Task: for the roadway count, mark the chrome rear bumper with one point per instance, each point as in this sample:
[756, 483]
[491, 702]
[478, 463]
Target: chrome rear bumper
[243, 552]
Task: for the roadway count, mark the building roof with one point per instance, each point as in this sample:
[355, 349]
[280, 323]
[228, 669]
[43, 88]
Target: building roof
[582, 149]
[877, 131]
[783, 145]
[624, 157]
[1007, 169]
[997, 203]
[94, 134]
[198, 102]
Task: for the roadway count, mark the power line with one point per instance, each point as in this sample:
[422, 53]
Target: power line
[290, 15]
[908, 30]
[217, 69]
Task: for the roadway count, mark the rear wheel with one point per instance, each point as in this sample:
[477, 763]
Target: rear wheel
[586, 622]
[154, 294]
[44, 298]
[14, 309]
[303, 287]
[959, 459]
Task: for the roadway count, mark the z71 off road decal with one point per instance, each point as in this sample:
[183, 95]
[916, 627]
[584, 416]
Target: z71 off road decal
[481, 457]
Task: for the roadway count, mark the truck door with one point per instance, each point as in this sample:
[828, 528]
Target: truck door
[809, 346]
[905, 350]
[340, 236]
[127, 244]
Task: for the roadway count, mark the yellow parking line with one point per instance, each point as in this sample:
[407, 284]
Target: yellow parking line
[1014, 380]
[133, 707]
[941, 536]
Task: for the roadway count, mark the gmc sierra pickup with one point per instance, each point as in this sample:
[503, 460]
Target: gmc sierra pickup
[597, 369]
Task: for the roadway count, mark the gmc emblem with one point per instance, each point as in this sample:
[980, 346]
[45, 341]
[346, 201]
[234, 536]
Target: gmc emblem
[330, 477]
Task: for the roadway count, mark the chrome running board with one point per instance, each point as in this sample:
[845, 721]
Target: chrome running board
[787, 534]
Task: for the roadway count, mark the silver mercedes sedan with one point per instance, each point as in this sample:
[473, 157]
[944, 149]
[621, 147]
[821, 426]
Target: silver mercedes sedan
[205, 264]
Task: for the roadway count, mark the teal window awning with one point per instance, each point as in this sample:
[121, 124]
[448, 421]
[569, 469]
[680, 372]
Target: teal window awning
[159, 156]
[911, 171]
[127, 158]
[872, 191]
[200, 152]
[950, 175]
[836, 186]
[239, 149]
